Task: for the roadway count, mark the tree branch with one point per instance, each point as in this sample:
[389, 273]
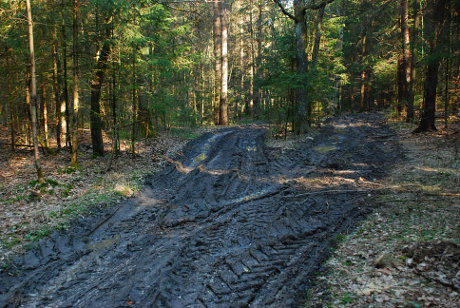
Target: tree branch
[284, 10]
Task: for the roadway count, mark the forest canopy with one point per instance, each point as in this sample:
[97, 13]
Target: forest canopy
[131, 68]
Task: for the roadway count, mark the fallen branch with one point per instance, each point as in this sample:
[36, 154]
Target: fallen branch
[340, 191]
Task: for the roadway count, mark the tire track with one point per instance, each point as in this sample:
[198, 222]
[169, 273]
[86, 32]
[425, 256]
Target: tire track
[225, 224]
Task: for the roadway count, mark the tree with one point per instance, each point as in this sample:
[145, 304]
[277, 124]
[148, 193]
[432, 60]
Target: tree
[221, 52]
[406, 82]
[300, 9]
[435, 18]
[96, 85]
[33, 94]
[75, 102]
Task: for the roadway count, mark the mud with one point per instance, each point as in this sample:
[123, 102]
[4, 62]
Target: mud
[230, 222]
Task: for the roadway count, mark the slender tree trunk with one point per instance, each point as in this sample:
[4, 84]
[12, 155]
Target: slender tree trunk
[400, 82]
[252, 69]
[75, 102]
[223, 106]
[337, 87]
[242, 100]
[114, 113]
[362, 105]
[314, 60]
[217, 37]
[12, 117]
[33, 95]
[44, 110]
[12, 112]
[447, 70]
[57, 89]
[413, 51]
[26, 126]
[134, 104]
[65, 101]
[405, 62]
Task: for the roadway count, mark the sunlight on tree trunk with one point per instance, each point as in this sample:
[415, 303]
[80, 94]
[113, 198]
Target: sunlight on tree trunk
[75, 101]
[33, 95]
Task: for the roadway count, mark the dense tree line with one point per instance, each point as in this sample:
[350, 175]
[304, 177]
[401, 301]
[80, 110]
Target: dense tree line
[131, 68]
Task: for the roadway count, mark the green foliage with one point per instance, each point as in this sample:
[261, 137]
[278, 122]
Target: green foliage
[67, 170]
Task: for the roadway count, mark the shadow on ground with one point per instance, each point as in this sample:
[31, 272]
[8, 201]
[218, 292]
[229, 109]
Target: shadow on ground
[228, 221]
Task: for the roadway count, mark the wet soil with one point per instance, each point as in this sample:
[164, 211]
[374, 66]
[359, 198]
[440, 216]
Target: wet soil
[229, 222]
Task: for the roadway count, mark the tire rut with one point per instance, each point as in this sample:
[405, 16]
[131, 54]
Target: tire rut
[226, 223]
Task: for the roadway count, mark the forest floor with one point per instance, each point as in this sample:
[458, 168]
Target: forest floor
[249, 225]
[29, 211]
[406, 253]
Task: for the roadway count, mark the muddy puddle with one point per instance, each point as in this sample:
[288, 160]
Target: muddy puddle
[230, 223]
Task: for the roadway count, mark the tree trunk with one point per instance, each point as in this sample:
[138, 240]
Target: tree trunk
[134, 103]
[400, 82]
[434, 22]
[57, 89]
[75, 102]
[362, 105]
[301, 122]
[217, 37]
[319, 29]
[314, 60]
[114, 111]
[44, 110]
[65, 102]
[12, 112]
[96, 85]
[406, 87]
[413, 51]
[242, 97]
[33, 95]
[256, 60]
[223, 106]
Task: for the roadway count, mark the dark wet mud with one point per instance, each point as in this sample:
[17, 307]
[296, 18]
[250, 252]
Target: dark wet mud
[230, 223]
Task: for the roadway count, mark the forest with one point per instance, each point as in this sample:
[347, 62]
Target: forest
[132, 68]
[263, 153]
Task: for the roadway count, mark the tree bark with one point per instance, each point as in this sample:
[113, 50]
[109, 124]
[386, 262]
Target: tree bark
[301, 123]
[413, 51]
[256, 60]
[65, 102]
[223, 105]
[433, 26]
[33, 95]
[44, 110]
[406, 80]
[400, 82]
[318, 33]
[57, 88]
[75, 101]
[12, 112]
[217, 37]
[134, 102]
[96, 85]
[363, 98]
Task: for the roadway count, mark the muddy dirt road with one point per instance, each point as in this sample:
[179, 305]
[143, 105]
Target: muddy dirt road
[230, 223]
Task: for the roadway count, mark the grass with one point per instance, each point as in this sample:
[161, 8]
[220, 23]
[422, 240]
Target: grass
[102, 192]
[30, 211]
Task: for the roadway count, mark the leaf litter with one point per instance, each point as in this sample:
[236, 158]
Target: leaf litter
[406, 253]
